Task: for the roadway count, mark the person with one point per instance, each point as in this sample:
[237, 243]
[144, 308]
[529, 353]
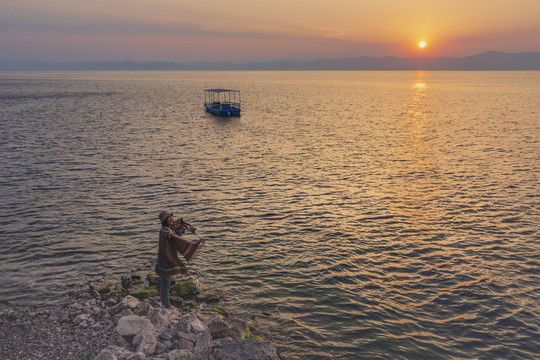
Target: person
[168, 263]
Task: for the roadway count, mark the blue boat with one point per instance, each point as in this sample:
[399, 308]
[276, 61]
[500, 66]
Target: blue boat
[222, 102]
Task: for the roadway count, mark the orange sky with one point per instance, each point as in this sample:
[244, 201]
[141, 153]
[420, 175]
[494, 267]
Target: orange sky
[191, 30]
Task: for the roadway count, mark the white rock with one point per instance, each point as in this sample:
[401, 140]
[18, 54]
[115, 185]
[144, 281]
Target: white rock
[162, 317]
[132, 325]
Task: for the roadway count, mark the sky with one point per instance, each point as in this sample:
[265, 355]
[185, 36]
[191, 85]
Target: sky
[248, 30]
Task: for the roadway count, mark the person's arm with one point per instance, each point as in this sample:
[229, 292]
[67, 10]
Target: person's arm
[172, 235]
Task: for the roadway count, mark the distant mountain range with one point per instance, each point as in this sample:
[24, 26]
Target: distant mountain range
[492, 60]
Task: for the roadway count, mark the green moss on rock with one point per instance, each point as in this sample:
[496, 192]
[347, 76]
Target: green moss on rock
[184, 288]
[152, 278]
[219, 310]
[113, 289]
[149, 292]
[176, 301]
[248, 335]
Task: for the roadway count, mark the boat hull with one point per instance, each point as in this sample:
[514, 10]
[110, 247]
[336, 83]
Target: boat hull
[232, 111]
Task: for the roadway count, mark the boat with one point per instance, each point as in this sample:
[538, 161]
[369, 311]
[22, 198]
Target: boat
[222, 102]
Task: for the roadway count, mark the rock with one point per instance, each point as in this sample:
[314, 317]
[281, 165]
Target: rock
[217, 327]
[129, 302]
[185, 288]
[143, 308]
[219, 310]
[244, 350]
[176, 301]
[117, 340]
[152, 278]
[190, 323]
[209, 297]
[202, 346]
[105, 355]
[181, 354]
[146, 341]
[149, 292]
[132, 325]
[137, 356]
[100, 287]
[185, 341]
[162, 317]
[118, 352]
[161, 348]
[126, 282]
[125, 312]
[239, 329]
[235, 329]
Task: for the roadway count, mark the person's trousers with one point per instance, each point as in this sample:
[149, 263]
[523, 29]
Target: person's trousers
[164, 286]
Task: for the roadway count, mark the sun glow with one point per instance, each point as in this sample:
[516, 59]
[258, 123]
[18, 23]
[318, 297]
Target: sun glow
[422, 44]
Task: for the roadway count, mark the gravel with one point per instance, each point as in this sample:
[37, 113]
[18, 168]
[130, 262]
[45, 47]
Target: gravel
[37, 336]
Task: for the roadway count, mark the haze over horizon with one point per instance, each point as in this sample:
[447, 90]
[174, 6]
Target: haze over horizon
[239, 30]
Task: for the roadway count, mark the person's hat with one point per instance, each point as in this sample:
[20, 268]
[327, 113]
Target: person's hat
[164, 215]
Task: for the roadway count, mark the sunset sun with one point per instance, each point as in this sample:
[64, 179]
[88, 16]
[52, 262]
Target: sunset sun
[422, 44]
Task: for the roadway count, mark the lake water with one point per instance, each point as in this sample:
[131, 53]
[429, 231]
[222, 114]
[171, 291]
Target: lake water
[373, 215]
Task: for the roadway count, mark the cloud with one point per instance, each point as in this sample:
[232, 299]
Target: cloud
[248, 42]
[189, 30]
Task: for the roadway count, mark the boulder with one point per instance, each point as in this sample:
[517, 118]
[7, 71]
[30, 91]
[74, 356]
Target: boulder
[125, 312]
[143, 308]
[190, 323]
[146, 341]
[202, 346]
[149, 292]
[129, 302]
[234, 328]
[244, 350]
[162, 317]
[185, 341]
[132, 325]
[185, 288]
[218, 327]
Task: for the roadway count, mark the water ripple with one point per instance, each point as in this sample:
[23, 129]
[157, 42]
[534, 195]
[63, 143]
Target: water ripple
[389, 221]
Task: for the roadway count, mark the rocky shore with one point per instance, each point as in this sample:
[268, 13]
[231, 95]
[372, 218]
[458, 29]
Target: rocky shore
[125, 322]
